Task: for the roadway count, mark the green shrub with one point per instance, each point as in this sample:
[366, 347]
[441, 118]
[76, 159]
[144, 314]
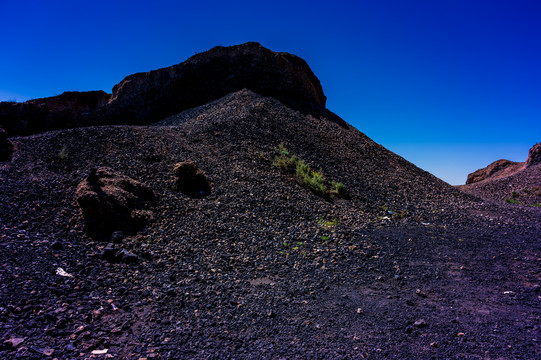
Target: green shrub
[314, 180]
[512, 201]
[63, 154]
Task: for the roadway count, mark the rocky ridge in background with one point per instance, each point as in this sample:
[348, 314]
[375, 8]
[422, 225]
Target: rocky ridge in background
[143, 98]
[57, 112]
[504, 180]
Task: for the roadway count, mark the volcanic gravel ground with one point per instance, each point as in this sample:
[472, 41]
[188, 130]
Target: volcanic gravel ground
[406, 267]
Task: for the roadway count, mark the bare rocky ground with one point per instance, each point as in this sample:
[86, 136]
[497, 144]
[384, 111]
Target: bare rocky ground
[405, 267]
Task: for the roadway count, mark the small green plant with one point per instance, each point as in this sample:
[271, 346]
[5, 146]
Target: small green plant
[314, 180]
[400, 215]
[327, 223]
[514, 195]
[512, 201]
[63, 154]
[537, 204]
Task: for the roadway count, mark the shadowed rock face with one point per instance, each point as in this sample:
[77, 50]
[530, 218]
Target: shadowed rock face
[52, 113]
[144, 98]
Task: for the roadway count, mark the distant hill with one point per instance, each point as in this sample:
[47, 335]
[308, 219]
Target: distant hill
[504, 180]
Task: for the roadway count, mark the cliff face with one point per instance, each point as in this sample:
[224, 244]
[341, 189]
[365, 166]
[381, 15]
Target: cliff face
[144, 98]
[52, 113]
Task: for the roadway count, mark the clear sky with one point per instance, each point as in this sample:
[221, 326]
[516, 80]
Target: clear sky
[449, 85]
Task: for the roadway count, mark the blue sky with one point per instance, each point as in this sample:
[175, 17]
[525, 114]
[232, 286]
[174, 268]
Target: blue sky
[449, 85]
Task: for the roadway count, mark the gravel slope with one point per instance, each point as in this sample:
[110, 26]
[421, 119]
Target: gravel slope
[406, 267]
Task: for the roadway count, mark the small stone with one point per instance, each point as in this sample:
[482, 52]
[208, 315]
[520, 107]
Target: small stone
[360, 311]
[460, 334]
[14, 342]
[57, 245]
[109, 253]
[420, 323]
[128, 257]
[271, 314]
[47, 352]
[434, 344]
[117, 237]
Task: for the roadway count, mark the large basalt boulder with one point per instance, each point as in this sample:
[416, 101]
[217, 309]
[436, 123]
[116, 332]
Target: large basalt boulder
[190, 180]
[148, 97]
[534, 155]
[6, 147]
[500, 167]
[111, 201]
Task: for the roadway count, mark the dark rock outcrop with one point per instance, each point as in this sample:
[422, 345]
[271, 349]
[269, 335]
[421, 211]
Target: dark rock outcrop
[144, 98]
[147, 97]
[534, 155]
[111, 201]
[6, 147]
[70, 109]
[190, 180]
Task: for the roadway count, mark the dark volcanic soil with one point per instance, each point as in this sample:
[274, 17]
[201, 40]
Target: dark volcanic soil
[407, 267]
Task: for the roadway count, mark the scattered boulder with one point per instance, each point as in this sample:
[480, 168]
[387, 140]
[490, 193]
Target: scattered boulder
[6, 147]
[114, 255]
[112, 201]
[117, 237]
[190, 180]
[534, 155]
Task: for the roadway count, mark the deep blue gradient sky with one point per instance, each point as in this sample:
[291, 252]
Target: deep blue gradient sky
[449, 85]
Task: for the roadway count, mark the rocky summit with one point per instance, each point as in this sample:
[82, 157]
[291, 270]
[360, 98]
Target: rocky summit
[252, 223]
[144, 97]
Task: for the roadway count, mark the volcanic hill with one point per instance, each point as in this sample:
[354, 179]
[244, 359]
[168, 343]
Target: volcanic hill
[517, 183]
[194, 231]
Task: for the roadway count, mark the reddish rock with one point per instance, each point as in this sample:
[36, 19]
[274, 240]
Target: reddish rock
[111, 201]
[496, 169]
[190, 180]
[534, 155]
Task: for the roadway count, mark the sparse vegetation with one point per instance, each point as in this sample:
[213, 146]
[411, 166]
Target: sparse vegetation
[63, 154]
[314, 180]
[512, 201]
[537, 204]
[327, 223]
